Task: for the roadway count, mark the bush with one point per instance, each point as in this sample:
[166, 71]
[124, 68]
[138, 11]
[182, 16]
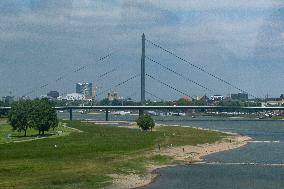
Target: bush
[145, 122]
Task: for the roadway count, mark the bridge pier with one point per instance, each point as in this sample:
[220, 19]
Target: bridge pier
[141, 112]
[107, 115]
[70, 114]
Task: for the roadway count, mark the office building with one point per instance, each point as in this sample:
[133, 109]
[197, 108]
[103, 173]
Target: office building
[53, 94]
[74, 97]
[85, 89]
[217, 97]
[239, 96]
[112, 96]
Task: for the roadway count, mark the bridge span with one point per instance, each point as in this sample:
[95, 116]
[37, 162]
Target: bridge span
[169, 108]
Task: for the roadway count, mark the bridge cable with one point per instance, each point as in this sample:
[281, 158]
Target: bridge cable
[154, 95]
[131, 96]
[167, 85]
[180, 75]
[118, 85]
[99, 78]
[63, 76]
[103, 76]
[199, 68]
[106, 73]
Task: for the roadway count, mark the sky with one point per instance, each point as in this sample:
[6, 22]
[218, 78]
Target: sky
[52, 44]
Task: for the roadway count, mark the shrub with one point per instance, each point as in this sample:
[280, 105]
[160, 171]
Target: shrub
[145, 122]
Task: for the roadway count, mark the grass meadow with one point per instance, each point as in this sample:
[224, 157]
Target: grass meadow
[86, 159]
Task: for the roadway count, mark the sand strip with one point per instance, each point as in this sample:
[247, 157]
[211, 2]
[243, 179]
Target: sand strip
[187, 154]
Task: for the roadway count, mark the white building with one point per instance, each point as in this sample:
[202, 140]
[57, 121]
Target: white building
[217, 97]
[74, 96]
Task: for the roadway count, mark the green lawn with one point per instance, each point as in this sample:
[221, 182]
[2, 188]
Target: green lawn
[8, 135]
[84, 160]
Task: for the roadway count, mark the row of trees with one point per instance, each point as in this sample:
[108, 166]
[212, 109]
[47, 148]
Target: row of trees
[180, 102]
[238, 103]
[37, 114]
[103, 102]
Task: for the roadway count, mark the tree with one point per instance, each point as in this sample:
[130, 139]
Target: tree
[104, 102]
[19, 115]
[183, 102]
[145, 122]
[43, 116]
[116, 102]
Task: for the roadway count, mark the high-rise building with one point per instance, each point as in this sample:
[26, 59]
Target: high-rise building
[53, 94]
[85, 89]
[112, 96]
[239, 96]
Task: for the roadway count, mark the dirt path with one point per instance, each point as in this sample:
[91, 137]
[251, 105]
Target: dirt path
[78, 130]
[39, 138]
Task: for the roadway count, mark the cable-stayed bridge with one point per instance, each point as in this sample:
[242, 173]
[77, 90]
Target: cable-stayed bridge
[145, 74]
[162, 108]
[155, 78]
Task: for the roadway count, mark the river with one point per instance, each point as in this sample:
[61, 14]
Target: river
[258, 165]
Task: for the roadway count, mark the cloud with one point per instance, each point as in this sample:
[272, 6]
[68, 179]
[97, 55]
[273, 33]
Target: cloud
[270, 42]
[226, 37]
[204, 5]
[52, 7]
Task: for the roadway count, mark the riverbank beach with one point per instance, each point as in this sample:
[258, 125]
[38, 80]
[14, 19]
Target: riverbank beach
[187, 154]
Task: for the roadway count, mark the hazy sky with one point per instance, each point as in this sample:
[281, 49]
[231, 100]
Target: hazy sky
[241, 41]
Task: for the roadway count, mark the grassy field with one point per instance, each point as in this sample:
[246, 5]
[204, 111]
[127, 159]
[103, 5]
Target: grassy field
[84, 160]
[7, 135]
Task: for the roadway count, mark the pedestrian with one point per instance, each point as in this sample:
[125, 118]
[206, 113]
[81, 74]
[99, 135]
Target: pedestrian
[159, 147]
[183, 149]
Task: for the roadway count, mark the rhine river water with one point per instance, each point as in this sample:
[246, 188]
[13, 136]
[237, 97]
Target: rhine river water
[258, 165]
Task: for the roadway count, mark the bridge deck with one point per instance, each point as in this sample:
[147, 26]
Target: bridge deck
[161, 108]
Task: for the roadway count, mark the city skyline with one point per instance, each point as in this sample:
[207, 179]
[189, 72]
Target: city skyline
[142, 94]
[44, 40]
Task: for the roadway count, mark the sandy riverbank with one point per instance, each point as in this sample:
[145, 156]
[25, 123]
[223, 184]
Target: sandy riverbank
[190, 154]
